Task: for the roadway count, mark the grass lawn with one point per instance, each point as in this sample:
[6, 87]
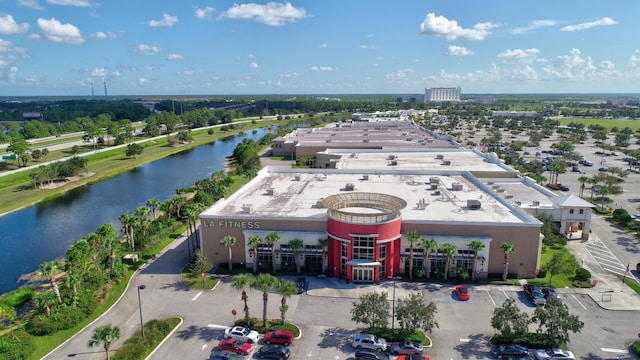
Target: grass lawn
[607, 123]
[560, 280]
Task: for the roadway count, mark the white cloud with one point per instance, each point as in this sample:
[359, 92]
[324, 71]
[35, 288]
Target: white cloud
[186, 72]
[99, 72]
[147, 49]
[54, 30]
[290, 75]
[9, 53]
[105, 35]
[142, 81]
[518, 53]
[323, 68]
[588, 25]
[203, 13]
[324, 45]
[174, 57]
[167, 20]
[450, 30]
[571, 67]
[635, 58]
[459, 51]
[536, 24]
[272, 14]
[253, 65]
[80, 3]
[31, 4]
[400, 75]
[367, 47]
[251, 56]
[9, 26]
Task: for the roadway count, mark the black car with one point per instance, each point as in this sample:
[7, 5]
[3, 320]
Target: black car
[368, 354]
[301, 283]
[274, 352]
[504, 351]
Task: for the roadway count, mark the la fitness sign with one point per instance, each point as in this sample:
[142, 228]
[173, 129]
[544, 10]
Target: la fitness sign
[231, 224]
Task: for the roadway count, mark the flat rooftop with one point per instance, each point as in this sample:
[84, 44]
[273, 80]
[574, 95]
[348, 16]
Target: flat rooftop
[280, 192]
[416, 159]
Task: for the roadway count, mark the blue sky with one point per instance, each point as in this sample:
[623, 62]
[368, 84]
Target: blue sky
[164, 47]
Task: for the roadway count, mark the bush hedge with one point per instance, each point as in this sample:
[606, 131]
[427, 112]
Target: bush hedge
[155, 331]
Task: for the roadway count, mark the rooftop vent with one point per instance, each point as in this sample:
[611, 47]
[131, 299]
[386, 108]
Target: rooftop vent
[365, 177]
[349, 187]
[247, 208]
[434, 180]
[434, 186]
[365, 140]
[296, 177]
[446, 162]
[393, 162]
[518, 202]
[391, 157]
[535, 203]
[333, 134]
[327, 140]
[270, 191]
[490, 183]
[319, 202]
[499, 190]
[456, 186]
[474, 204]
[439, 156]
[508, 196]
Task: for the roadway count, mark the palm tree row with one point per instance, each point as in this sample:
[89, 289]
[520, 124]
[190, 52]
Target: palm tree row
[264, 283]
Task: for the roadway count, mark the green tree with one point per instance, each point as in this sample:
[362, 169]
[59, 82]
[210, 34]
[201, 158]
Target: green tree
[371, 309]
[412, 313]
[229, 241]
[19, 146]
[253, 242]
[556, 321]
[272, 239]
[49, 270]
[133, 150]
[264, 283]
[509, 320]
[582, 179]
[429, 245]
[105, 336]
[296, 245]
[45, 300]
[154, 204]
[285, 288]
[476, 246]
[507, 250]
[449, 251]
[201, 264]
[413, 238]
[559, 264]
[128, 225]
[242, 282]
[324, 245]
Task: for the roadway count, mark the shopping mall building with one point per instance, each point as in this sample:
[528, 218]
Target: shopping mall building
[365, 203]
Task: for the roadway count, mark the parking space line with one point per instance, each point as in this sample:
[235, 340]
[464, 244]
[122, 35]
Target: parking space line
[578, 301]
[618, 351]
[491, 298]
[197, 296]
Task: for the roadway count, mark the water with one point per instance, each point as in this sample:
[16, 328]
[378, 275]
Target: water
[44, 232]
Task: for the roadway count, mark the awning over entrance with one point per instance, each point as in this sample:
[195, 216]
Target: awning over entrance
[363, 262]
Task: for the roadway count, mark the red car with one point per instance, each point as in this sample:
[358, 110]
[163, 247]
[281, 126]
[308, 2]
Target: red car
[412, 357]
[463, 293]
[235, 346]
[282, 337]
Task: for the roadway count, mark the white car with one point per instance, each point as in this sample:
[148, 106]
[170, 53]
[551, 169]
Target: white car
[241, 334]
[553, 354]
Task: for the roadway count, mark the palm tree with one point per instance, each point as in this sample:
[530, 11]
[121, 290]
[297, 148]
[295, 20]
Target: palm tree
[254, 241]
[154, 204]
[49, 270]
[46, 300]
[229, 241]
[296, 245]
[429, 245]
[475, 246]
[272, 238]
[324, 244]
[582, 179]
[264, 283]
[105, 335]
[449, 250]
[128, 221]
[72, 281]
[508, 249]
[413, 237]
[242, 282]
[285, 288]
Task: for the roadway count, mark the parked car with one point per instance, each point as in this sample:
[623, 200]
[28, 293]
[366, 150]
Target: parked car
[603, 169]
[283, 337]
[274, 352]
[638, 267]
[301, 283]
[242, 334]
[238, 347]
[506, 350]
[564, 188]
[369, 341]
[225, 355]
[548, 292]
[412, 357]
[576, 169]
[463, 293]
[557, 354]
[406, 348]
[535, 294]
[368, 354]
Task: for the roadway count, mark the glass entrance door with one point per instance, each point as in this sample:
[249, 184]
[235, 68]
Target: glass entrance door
[362, 274]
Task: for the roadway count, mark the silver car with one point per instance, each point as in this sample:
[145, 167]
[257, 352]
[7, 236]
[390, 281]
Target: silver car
[406, 348]
[369, 341]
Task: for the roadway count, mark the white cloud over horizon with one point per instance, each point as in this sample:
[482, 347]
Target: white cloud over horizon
[147, 49]
[54, 30]
[167, 20]
[605, 21]
[450, 30]
[271, 14]
[454, 50]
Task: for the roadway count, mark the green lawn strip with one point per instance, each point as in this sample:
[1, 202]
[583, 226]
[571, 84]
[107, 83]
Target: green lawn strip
[560, 280]
[155, 331]
[607, 123]
[631, 283]
[103, 166]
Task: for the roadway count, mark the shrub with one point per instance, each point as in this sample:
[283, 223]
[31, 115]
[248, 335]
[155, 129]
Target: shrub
[16, 345]
[582, 274]
[18, 297]
[210, 131]
[635, 347]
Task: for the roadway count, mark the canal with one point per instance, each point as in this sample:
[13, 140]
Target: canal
[44, 232]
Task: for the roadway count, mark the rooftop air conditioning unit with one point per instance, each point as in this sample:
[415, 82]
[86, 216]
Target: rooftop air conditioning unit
[536, 203]
[270, 191]
[456, 186]
[296, 177]
[365, 177]
[439, 156]
[365, 140]
[446, 162]
[434, 186]
[508, 196]
[247, 208]
[319, 203]
[327, 140]
[518, 202]
[349, 187]
[392, 157]
[393, 163]
[474, 204]
[333, 134]
[434, 180]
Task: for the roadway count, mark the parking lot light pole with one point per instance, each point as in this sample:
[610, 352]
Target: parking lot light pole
[141, 287]
[393, 303]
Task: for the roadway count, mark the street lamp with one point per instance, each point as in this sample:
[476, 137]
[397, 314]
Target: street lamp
[393, 303]
[141, 287]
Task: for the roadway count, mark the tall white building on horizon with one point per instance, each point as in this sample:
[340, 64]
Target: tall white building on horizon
[441, 94]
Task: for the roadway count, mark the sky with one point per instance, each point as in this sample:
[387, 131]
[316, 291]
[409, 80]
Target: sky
[207, 47]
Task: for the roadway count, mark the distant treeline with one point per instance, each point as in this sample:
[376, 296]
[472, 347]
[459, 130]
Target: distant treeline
[61, 111]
